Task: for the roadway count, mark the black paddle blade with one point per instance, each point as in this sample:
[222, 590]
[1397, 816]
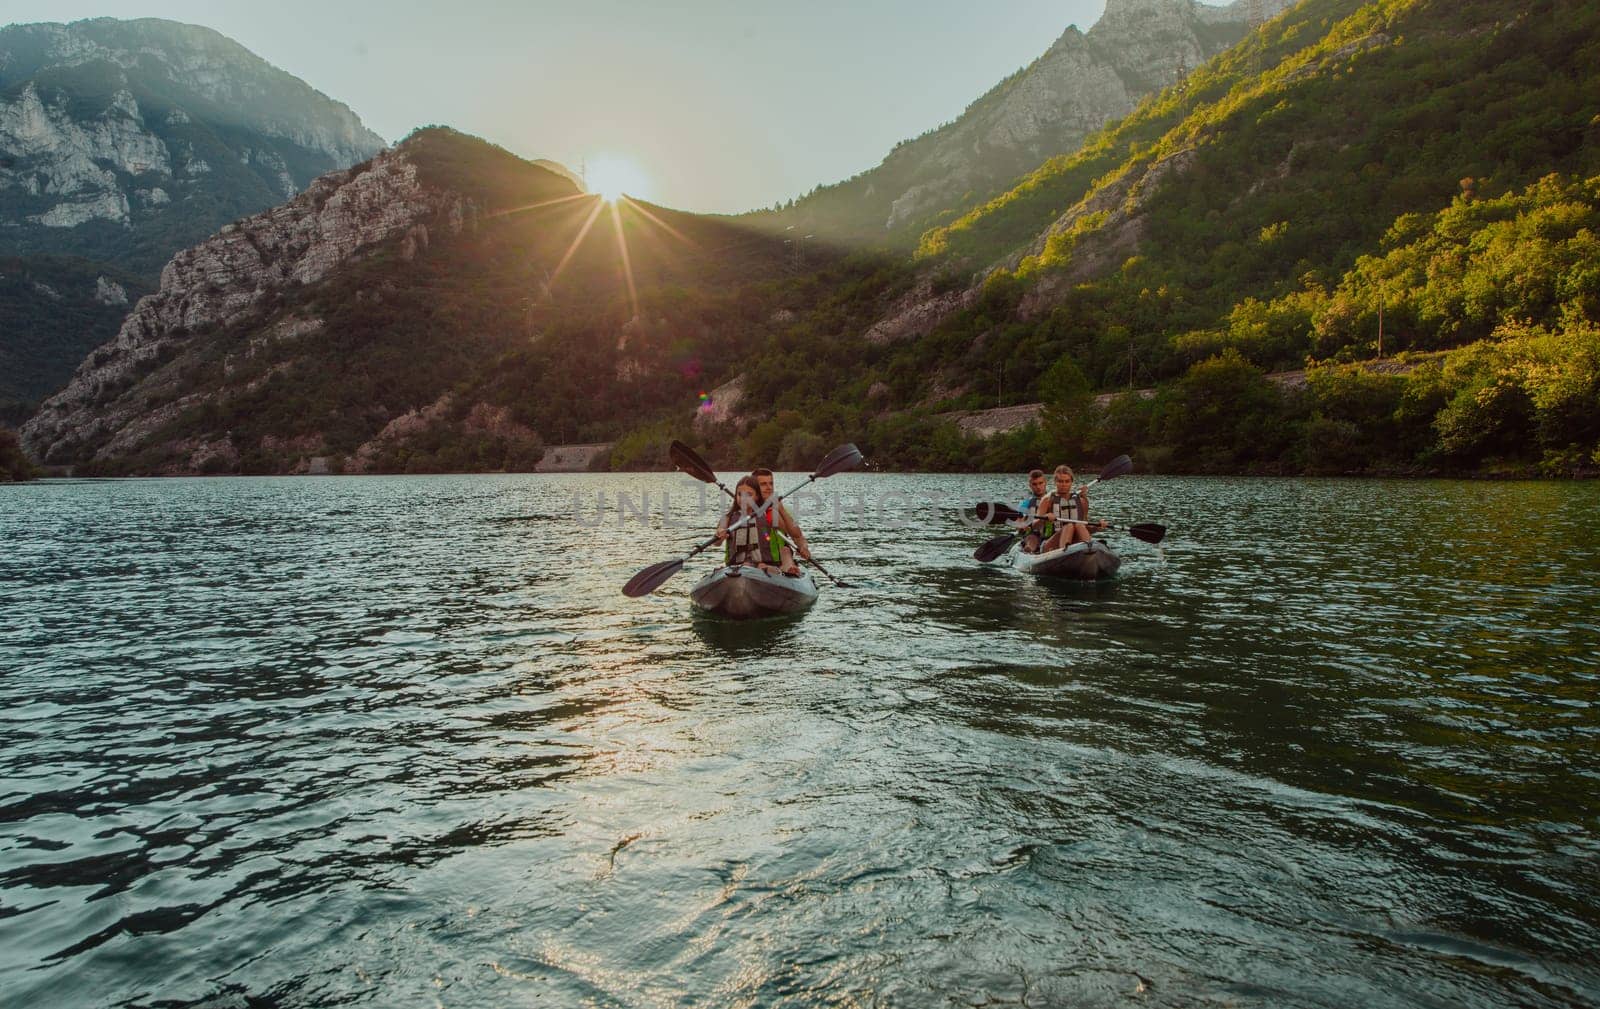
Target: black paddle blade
[993, 513]
[1120, 466]
[689, 461]
[994, 549]
[651, 578]
[1150, 532]
[843, 458]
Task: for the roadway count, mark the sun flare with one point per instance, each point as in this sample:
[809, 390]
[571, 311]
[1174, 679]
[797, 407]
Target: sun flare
[611, 178]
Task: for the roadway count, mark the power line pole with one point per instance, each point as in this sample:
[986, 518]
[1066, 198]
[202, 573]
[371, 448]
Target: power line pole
[1380, 326]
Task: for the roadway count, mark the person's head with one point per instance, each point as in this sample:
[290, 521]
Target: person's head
[747, 491]
[764, 481]
[1063, 479]
[1036, 482]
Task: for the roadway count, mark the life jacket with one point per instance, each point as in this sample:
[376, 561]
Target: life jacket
[1075, 507]
[754, 542]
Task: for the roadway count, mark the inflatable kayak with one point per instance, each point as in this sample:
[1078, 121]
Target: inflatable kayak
[1084, 562]
[746, 593]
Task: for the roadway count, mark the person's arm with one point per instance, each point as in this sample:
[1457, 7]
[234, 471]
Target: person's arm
[722, 528]
[792, 527]
[1025, 510]
[1093, 525]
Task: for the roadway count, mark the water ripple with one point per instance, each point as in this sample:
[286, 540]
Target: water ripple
[401, 741]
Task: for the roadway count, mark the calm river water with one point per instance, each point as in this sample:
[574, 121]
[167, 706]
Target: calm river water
[401, 742]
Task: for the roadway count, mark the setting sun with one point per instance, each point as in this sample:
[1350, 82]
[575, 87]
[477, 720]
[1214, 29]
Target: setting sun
[611, 177]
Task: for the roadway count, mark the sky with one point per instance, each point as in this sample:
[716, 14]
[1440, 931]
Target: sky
[704, 105]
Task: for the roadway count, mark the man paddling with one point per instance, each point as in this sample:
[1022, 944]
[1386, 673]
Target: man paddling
[1029, 509]
[782, 520]
[1066, 513]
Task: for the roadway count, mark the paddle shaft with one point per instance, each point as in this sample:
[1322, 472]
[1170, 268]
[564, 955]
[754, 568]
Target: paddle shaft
[701, 466]
[776, 502]
[844, 457]
[1000, 544]
[1044, 518]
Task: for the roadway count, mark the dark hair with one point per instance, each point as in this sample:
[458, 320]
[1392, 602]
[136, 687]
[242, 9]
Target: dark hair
[761, 472]
[1036, 474]
[755, 490]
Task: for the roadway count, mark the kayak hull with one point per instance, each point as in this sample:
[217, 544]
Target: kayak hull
[1081, 562]
[747, 593]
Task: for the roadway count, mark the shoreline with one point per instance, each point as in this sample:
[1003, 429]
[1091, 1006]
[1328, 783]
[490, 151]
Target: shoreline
[57, 475]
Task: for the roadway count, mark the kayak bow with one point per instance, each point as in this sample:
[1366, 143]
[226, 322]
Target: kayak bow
[1084, 562]
[748, 593]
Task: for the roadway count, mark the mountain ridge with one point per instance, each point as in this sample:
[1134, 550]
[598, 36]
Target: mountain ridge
[1080, 82]
[123, 141]
[1225, 229]
[430, 303]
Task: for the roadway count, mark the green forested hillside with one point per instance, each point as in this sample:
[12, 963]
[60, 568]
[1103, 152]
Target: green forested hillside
[55, 311]
[1347, 154]
[1438, 161]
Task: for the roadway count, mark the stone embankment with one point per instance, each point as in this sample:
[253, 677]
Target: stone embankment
[1005, 419]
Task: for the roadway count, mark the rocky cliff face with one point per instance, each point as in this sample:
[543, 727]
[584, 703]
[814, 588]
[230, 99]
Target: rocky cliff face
[100, 119]
[123, 141]
[444, 306]
[110, 404]
[1082, 82]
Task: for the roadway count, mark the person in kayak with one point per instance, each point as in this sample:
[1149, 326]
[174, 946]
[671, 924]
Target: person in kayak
[1030, 511]
[1065, 512]
[783, 521]
[755, 543]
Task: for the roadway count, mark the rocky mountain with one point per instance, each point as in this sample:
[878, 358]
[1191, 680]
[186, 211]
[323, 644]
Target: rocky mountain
[442, 305]
[124, 141]
[1083, 81]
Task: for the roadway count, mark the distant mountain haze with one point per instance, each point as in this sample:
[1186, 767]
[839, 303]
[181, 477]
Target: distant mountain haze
[122, 142]
[1083, 81]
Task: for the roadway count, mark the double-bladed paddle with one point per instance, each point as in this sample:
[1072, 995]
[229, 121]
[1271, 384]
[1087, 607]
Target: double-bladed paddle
[996, 548]
[688, 461]
[995, 513]
[1149, 532]
[845, 457]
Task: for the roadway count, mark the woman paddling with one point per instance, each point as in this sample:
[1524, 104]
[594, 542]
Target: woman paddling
[1066, 513]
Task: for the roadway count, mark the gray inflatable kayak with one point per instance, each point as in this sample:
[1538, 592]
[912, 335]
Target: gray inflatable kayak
[1084, 562]
[746, 593]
